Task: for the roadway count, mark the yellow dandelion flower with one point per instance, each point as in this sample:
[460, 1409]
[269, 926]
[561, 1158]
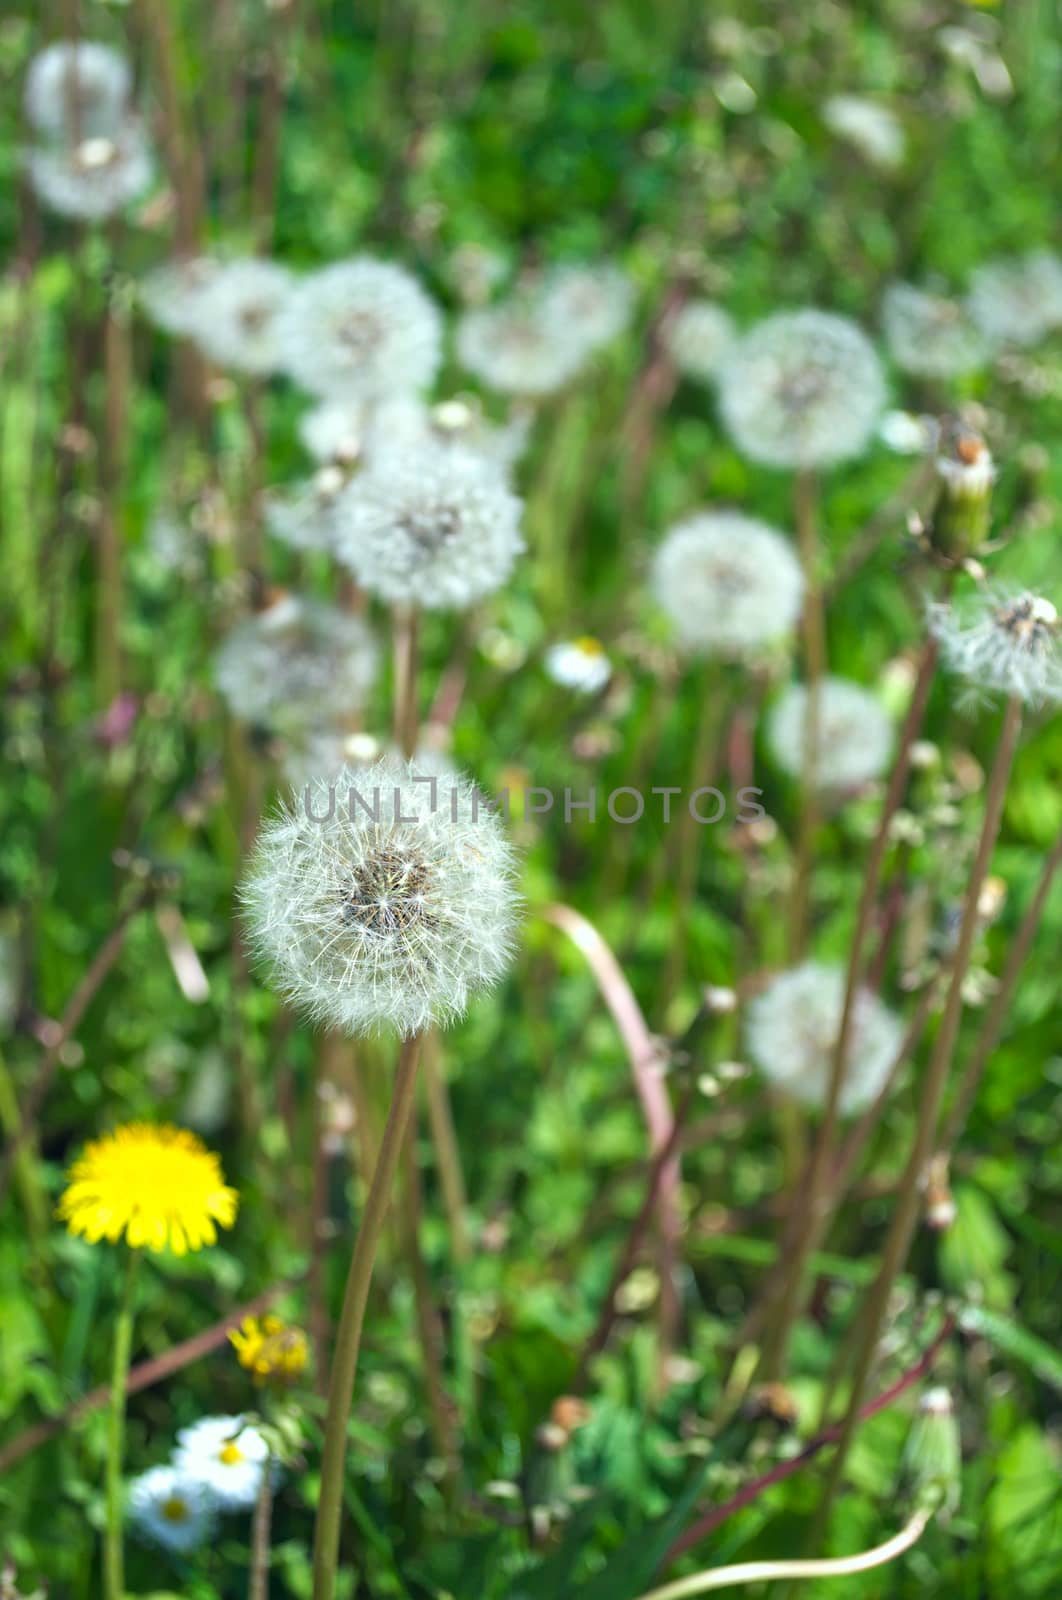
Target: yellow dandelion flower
[270, 1349]
[158, 1185]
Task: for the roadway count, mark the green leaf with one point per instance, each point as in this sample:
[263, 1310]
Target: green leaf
[1016, 1342]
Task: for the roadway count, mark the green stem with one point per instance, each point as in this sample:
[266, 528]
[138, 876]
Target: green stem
[814, 634]
[258, 1586]
[348, 1337]
[113, 1558]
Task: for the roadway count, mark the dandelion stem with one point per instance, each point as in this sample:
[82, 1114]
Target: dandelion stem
[814, 635]
[901, 1232]
[258, 1585]
[113, 1557]
[429, 1326]
[348, 1337]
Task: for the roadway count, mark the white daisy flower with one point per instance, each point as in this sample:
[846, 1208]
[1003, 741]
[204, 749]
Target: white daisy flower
[514, 348]
[802, 389]
[94, 179]
[226, 1456]
[1017, 300]
[930, 335]
[383, 899]
[855, 735]
[699, 338]
[298, 660]
[77, 90]
[791, 1033]
[1007, 642]
[579, 664]
[596, 300]
[868, 126]
[360, 329]
[730, 585]
[171, 1509]
[437, 528]
[236, 315]
[907, 434]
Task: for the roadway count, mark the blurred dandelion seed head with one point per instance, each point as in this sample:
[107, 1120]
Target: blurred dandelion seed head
[1009, 643]
[855, 736]
[730, 585]
[394, 919]
[1017, 300]
[94, 179]
[515, 348]
[77, 91]
[801, 389]
[172, 294]
[236, 314]
[299, 659]
[170, 1509]
[159, 1187]
[699, 338]
[791, 1033]
[929, 335]
[436, 527]
[305, 516]
[595, 298]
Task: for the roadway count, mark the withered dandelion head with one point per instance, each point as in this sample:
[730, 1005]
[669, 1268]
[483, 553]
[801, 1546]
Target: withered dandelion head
[271, 1350]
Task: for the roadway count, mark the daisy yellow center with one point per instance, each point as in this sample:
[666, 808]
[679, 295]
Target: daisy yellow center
[157, 1187]
[589, 646]
[230, 1454]
[174, 1509]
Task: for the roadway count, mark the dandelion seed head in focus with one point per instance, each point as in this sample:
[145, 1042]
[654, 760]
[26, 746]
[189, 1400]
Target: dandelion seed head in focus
[699, 338]
[791, 1033]
[868, 126]
[855, 736]
[94, 179]
[580, 664]
[1004, 642]
[437, 528]
[360, 330]
[930, 335]
[596, 298]
[298, 660]
[169, 1509]
[392, 911]
[226, 1456]
[236, 314]
[157, 1186]
[730, 585]
[514, 348]
[77, 91]
[1017, 299]
[801, 389]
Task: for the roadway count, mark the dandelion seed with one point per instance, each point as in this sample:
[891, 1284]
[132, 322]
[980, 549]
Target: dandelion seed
[393, 909]
[159, 1187]
[94, 179]
[361, 329]
[77, 91]
[729, 584]
[514, 348]
[298, 660]
[699, 339]
[436, 528]
[868, 126]
[930, 335]
[854, 734]
[226, 1456]
[236, 314]
[791, 1034]
[271, 1350]
[597, 299]
[1005, 641]
[802, 389]
[168, 1508]
[1018, 299]
[579, 664]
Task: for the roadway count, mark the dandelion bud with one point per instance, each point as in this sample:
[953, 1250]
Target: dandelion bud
[933, 1454]
[965, 472]
[383, 898]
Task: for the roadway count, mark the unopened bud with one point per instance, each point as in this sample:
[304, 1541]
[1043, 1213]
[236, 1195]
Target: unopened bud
[933, 1457]
[965, 471]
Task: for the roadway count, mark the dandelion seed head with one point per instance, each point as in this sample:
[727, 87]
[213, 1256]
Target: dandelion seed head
[305, 517]
[855, 736]
[408, 425]
[380, 903]
[226, 1456]
[791, 1032]
[1004, 642]
[77, 90]
[360, 330]
[236, 314]
[172, 294]
[332, 431]
[1017, 299]
[172, 1510]
[94, 179]
[436, 528]
[299, 660]
[868, 126]
[930, 335]
[730, 584]
[516, 349]
[699, 338]
[597, 299]
[801, 389]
